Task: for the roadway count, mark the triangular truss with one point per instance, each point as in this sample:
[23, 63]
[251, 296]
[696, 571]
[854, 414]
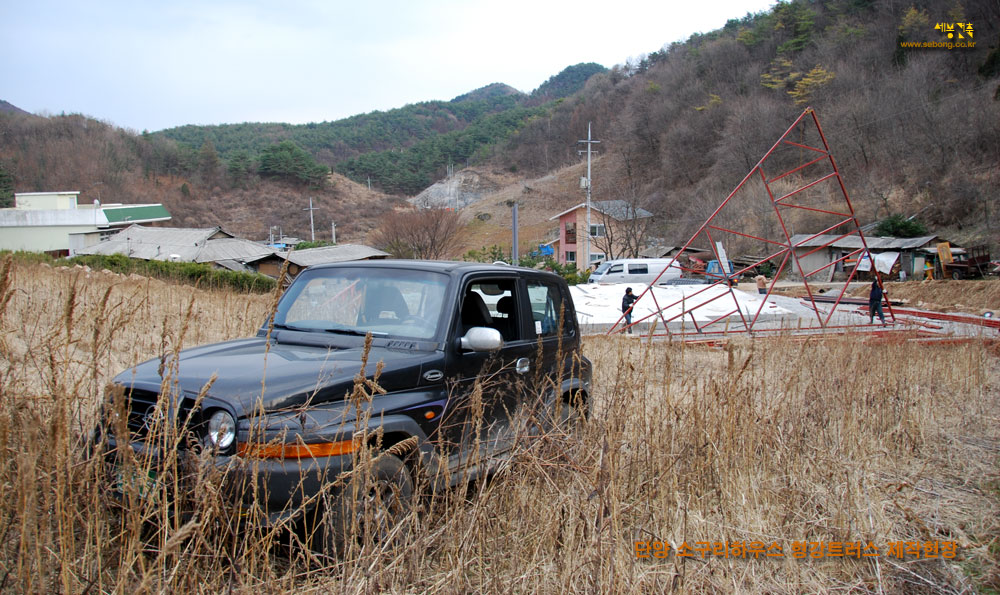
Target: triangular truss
[796, 180]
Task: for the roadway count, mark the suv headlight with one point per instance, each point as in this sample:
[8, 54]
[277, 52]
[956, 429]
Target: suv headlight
[221, 429]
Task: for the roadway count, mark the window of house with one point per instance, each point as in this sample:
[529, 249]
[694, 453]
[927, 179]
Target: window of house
[597, 231]
[571, 233]
[570, 256]
[596, 256]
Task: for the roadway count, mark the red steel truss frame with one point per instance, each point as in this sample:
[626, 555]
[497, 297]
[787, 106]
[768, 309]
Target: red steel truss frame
[817, 157]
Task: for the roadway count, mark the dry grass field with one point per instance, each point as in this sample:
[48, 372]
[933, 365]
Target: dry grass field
[768, 443]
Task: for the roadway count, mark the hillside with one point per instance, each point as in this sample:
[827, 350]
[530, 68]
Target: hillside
[113, 165]
[9, 108]
[914, 130]
[334, 142]
[249, 212]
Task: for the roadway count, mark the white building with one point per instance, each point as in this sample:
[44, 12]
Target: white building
[55, 222]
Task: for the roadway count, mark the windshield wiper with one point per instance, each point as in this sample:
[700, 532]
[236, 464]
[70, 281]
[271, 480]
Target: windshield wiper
[292, 327]
[356, 333]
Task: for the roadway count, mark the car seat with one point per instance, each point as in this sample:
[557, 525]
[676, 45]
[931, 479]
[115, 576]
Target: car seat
[475, 312]
[386, 299]
[507, 324]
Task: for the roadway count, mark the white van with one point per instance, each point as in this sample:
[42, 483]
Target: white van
[635, 270]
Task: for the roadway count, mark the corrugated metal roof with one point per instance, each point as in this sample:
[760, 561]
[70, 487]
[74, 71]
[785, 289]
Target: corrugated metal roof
[144, 250]
[233, 265]
[174, 236]
[854, 242]
[617, 209]
[339, 253]
[184, 244]
[237, 249]
[136, 213]
[620, 209]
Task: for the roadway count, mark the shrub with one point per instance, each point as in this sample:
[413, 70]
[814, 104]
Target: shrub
[899, 226]
[193, 273]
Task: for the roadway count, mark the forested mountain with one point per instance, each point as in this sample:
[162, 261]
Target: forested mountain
[410, 170]
[566, 83]
[489, 92]
[915, 130]
[333, 142]
[403, 150]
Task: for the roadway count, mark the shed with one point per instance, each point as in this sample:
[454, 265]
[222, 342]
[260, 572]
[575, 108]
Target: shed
[817, 251]
[300, 259]
[671, 251]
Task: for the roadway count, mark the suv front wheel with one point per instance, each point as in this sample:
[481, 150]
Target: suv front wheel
[369, 509]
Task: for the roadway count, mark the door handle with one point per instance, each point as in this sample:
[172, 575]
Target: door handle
[522, 365]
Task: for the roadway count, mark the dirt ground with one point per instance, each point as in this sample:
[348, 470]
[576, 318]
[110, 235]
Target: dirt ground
[971, 296]
[974, 296]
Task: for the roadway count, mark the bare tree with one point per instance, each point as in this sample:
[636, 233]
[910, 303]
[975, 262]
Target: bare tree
[626, 223]
[626, 226]
[429, 234]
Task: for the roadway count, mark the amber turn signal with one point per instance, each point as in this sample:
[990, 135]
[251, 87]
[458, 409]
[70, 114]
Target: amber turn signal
[295, 450]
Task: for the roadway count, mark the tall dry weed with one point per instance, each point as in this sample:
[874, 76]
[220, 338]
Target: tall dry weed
[774, 440]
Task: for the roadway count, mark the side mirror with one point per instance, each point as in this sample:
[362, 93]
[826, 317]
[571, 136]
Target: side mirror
[481, 338]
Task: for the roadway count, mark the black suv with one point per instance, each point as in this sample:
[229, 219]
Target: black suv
[438, 366]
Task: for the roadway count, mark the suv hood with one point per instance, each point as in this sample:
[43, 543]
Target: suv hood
[290, 374]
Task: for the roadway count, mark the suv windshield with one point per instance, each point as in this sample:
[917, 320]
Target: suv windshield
[396, 302]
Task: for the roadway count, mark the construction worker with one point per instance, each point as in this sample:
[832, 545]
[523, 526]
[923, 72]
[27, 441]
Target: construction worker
[761, 284]
[875, 303]
[627, 300]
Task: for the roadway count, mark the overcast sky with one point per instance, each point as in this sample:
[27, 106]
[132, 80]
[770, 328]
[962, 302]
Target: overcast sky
[149, 65]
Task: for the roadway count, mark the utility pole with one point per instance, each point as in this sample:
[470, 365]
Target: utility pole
[590, 141]
[312, 230]
[514, 243]
[513, 250]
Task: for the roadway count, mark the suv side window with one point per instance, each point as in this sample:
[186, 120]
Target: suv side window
[546, 307]
[492, 303]
[638, 269]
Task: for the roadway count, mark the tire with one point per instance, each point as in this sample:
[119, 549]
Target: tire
[384, 500]
[956, 275]
[570, 415]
